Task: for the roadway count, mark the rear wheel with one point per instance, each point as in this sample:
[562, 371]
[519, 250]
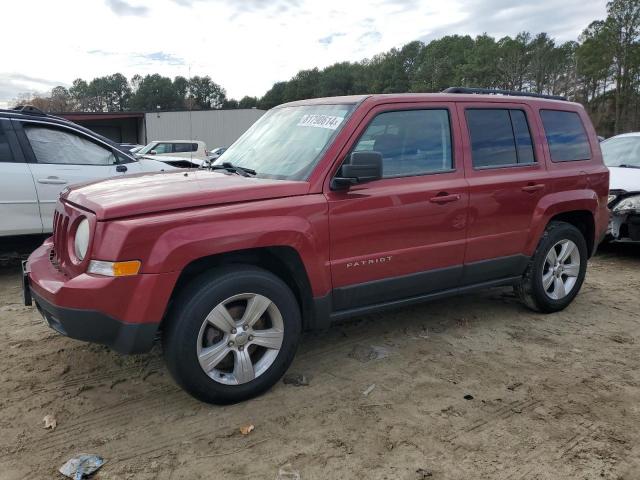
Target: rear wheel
[557, 269]
[231, 334]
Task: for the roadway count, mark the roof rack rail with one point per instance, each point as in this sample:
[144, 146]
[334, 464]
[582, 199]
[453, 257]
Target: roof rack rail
[29, 110]
[492, 91]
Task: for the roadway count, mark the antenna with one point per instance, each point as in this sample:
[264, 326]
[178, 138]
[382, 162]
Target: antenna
[190, 122]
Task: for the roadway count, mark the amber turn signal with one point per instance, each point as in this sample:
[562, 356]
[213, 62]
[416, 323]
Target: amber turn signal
[114, 269]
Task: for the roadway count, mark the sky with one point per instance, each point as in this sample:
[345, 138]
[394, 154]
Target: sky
[245, 45]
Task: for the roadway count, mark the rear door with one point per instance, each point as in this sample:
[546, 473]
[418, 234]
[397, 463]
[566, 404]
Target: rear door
[59, 156]
[403, 235]
[507, 176]
[18, 198]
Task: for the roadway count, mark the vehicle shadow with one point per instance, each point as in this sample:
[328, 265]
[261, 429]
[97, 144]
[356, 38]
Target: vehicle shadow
[629, 250]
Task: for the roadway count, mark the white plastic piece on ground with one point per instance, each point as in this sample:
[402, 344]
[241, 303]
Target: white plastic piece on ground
[81, 466]
[369, 390]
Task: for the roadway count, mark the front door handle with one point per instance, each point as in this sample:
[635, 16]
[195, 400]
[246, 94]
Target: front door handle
[532, 188]
[52, 181]
[444, 197]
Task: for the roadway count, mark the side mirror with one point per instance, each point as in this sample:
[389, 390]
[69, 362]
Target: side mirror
[153, 152]
[362, 167]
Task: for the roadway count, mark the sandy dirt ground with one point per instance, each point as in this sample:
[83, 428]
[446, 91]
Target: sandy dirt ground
[547, 396]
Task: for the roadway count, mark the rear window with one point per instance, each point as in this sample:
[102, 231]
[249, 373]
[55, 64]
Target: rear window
[566, 136]
[499, 137]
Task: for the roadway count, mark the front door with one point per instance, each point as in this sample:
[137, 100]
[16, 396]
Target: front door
[403, 235]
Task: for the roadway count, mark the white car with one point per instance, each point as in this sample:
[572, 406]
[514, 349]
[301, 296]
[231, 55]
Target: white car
[40, 155]
[622, 155]
[189, 149]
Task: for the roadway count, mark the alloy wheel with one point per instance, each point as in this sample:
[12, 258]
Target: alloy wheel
[240, 338]
[561, 269]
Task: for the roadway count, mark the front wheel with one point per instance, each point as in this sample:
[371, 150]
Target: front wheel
[231, 334]
[556, 271]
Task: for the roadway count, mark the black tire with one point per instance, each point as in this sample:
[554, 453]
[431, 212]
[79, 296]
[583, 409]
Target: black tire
[530, 290]
[192, 305]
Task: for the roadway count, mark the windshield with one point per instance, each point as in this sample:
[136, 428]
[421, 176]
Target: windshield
[148, 148]
[618, 151]
[287, 142]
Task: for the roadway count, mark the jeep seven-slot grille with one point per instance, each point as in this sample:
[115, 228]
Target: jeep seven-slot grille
[60, 227]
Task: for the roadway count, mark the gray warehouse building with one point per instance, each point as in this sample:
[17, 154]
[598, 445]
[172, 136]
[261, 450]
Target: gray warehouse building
[217, 128]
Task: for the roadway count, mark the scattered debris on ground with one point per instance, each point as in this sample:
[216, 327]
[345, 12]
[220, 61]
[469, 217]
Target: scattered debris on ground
[50, 422]
[365, 354]
[369, 389]
[81, 466]
[295, 379]
[247, 429]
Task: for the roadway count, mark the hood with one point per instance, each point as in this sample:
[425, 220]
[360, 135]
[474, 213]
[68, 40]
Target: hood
[627, 179]
[163, 191]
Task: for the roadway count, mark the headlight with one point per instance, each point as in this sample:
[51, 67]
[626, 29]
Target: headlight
[628, 205]
[81, 241]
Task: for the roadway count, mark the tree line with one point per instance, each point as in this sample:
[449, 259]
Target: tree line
[600, 70]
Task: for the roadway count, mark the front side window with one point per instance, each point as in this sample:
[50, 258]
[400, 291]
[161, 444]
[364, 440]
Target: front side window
[163, 148]
[52, 145]
[499, 137]
[412, 142]
[621, 151]
[287, 142]
[566, 136]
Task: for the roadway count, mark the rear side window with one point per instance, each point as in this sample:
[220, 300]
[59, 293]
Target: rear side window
[499, 137]
[5, 150]
[51, 145]
[566, 136]
[412, 142]
[184, 147]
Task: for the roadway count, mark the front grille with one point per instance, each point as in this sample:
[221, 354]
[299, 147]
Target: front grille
[60, 228]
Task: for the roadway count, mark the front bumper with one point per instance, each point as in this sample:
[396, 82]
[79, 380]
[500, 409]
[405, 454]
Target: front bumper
[123, 313]
[96, 327]
[624, 227]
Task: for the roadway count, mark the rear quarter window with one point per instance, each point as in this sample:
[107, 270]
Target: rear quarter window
[566, 136]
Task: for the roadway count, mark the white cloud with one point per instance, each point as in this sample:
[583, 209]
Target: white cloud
[246, 46]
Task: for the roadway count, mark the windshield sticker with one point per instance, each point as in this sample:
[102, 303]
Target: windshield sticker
[320, 121]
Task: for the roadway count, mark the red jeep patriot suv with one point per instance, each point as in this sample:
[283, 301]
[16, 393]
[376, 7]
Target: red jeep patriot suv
[322, 210]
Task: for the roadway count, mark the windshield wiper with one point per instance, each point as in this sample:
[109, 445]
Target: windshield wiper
[626, 165]
[229, 167]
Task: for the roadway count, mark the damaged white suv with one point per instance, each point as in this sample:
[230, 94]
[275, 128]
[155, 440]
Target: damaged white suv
[622, 155]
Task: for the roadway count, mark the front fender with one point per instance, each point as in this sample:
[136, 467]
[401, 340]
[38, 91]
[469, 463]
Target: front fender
[168, 242]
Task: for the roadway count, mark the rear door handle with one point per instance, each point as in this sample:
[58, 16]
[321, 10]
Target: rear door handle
[533, 188]
[52, 181]
[444, 197]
